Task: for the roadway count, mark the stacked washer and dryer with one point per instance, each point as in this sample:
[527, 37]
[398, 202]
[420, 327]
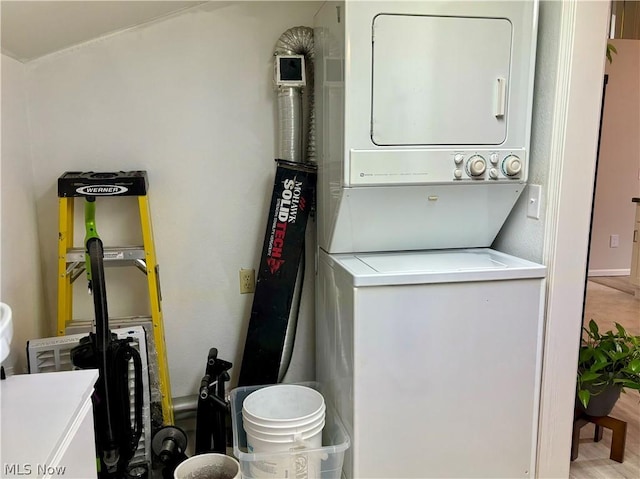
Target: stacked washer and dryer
[428, 341]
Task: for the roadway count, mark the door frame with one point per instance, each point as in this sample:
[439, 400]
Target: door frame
[576, 115]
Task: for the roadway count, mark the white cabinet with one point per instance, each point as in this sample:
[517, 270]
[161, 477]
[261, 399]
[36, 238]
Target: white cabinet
[47, 425]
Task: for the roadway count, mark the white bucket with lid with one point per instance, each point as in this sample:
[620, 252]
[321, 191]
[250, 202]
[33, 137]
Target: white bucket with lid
[297, 457]
[285, 441]
[285, 418]
[283, 404]
[282, 429]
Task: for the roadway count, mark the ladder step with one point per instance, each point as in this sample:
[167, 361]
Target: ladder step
[111, 253]
[77, 326]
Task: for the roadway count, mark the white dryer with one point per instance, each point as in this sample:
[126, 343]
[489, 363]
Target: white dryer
[423, 119]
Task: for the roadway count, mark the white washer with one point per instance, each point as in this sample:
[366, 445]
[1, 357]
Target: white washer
[432, 359]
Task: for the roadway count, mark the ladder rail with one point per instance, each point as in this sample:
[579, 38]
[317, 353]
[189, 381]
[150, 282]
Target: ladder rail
[156, 306]
[65, 242]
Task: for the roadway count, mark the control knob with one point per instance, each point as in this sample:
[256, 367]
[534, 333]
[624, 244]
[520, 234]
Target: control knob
[476, 166]
[512, 165]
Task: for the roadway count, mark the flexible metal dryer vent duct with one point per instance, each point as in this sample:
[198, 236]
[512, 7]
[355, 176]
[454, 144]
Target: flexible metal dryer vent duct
[296, 41]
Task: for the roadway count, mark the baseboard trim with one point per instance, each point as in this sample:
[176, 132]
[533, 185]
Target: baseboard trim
[609, 272]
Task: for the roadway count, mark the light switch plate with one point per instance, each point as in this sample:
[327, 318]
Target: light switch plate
[534, 193]
[614, 241]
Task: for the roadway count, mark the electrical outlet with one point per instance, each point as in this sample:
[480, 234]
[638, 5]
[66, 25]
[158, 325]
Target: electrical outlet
[247, 281]
[614, 241]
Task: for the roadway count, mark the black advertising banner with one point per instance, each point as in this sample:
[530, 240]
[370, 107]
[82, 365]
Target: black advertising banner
[293, 194]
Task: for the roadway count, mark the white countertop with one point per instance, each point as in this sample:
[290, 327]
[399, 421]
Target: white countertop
[37, 413]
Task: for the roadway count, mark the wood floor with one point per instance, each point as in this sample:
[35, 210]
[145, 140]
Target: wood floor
[606, 306]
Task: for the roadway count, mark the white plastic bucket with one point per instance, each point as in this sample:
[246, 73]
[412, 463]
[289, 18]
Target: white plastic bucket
[208, 466]
[283, 403]
[296, 457]
[286, 420]
[296, 426]
[281, 431]
[285, 441]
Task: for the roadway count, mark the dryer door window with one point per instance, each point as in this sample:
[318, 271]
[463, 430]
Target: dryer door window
[440, 80]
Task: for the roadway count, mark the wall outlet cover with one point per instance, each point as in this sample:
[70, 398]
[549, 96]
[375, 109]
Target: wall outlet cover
[247, 281]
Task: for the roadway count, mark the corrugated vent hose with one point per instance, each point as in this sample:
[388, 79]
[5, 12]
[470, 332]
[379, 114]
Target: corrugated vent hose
[296, 41]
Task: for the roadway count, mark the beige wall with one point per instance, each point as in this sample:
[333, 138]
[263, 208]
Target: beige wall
[190, 99]
[523, 236]
[619, 163]
[19, 251]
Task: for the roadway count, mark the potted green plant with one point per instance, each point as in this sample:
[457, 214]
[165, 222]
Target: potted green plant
[609, 363]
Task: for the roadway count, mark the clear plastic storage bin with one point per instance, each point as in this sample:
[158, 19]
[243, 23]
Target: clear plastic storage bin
[321, 463]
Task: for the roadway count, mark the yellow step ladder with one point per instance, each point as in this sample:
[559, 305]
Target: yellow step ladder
[71, 261]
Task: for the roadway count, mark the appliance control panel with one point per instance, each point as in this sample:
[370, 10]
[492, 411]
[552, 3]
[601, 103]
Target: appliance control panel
[399, 167]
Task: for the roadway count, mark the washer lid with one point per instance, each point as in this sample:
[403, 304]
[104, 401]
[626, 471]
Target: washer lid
[425, 261]
[438, 266]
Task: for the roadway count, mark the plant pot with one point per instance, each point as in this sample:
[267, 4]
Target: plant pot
[602, 401]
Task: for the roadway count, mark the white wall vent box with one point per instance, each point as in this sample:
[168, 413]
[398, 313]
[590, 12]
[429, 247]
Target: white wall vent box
[290, 71]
